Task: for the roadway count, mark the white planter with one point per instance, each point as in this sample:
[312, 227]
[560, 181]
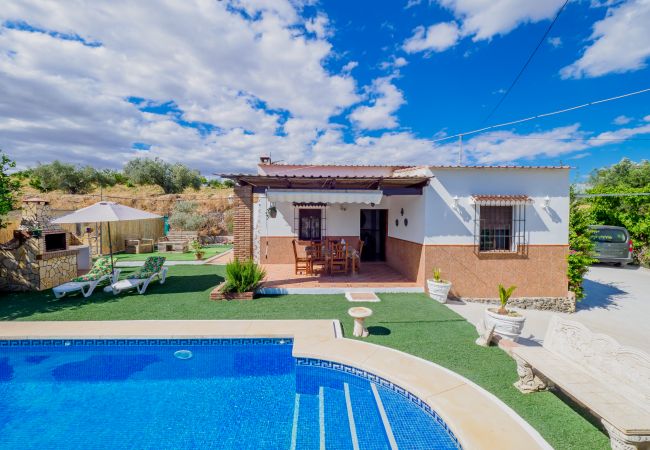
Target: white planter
[438, 291]
[508, 327]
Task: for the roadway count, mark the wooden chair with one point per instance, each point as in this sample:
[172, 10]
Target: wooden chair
[356, 258]
[339, 259]
[318, 257]
[302, 263]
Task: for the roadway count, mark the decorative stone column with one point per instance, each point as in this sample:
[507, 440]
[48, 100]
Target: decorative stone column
[243, 222]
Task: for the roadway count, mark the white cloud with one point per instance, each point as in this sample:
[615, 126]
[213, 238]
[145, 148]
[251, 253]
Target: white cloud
[619, 43]
[483, 19]
[622, 120]
[412, 3]
[555, 42]
[350, 66]
[437, 38]
[319, 25]
[62, 99]
[387, 99]
[394, 63]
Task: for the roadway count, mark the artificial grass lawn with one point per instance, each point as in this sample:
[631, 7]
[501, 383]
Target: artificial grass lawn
[412, 323]
[210, 251]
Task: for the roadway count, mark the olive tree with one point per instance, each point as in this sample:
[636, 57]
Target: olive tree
[172, 178]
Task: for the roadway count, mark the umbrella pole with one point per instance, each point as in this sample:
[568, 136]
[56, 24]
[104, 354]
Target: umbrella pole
[110, 249]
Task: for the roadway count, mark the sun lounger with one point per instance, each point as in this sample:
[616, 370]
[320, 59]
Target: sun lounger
[140, 279]
[86, 284]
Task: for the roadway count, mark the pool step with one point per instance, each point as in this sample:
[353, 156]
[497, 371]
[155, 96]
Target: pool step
[371, 433]
[351, 418]
[384, 418]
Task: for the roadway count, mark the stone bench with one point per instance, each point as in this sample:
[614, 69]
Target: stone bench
[611, 381]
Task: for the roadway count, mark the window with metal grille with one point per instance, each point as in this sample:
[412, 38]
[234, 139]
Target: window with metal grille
[496, 228]
[500, 228]
[309, 224]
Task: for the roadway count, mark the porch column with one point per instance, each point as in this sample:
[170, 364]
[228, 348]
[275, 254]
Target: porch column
[243, 222]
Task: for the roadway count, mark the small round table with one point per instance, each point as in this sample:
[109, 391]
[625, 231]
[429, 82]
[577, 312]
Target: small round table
[359, 313]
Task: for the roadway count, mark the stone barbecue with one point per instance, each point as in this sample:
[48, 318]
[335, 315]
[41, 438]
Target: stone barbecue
[39, 257]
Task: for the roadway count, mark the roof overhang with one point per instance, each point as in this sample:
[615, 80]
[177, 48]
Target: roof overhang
[325, 195]
[501, 200]
[404, 185]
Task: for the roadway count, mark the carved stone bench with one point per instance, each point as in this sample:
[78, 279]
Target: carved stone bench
[611, 381]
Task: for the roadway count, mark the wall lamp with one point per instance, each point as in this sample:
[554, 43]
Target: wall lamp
[547, 202]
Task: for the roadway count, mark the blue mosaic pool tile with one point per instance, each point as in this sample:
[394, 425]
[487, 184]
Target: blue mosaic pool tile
[308, 435]
[142, 342]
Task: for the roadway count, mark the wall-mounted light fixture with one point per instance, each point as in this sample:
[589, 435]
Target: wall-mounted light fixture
[343, 207]
[455, 204]
[547, 202]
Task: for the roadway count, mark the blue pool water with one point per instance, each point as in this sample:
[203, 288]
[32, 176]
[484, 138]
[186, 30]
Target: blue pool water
[200, 393]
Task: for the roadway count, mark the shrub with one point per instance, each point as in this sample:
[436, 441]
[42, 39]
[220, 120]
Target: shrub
[185, 216]
[580, 246]
[172, 178]
[242, 276]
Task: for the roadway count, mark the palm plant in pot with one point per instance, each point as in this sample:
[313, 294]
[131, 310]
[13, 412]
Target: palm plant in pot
[507, 324]
[438, 288]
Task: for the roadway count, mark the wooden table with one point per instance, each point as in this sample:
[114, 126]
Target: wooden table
[351, 254]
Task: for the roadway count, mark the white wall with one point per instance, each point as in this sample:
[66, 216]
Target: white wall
[432, 220]
[339, 222]
[414, 210]
[444, 225]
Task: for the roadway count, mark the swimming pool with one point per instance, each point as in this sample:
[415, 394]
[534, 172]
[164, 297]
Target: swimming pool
[201, 393]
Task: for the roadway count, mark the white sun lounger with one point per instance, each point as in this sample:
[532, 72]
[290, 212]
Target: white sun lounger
[85, 287]
[140, 284]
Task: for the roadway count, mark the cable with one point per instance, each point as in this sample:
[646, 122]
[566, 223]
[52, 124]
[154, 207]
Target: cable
[530, 58]
[538, 116]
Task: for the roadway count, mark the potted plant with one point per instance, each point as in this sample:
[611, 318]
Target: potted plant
[438, 288]
[242, 279]
[197, 248]
[507, 324]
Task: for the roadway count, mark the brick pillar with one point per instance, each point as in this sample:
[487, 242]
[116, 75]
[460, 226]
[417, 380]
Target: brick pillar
[243, 222]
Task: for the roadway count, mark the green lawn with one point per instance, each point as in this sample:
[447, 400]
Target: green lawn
[409, 322]
[210, 251]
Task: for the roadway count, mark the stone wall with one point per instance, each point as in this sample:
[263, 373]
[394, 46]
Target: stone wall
[58, 269]
[24, 268]
[560, 304]
[19, 267]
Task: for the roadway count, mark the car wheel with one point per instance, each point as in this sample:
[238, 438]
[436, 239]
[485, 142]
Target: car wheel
[617, 264]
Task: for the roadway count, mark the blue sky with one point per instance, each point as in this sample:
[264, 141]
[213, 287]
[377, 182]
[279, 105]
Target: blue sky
[216, 84]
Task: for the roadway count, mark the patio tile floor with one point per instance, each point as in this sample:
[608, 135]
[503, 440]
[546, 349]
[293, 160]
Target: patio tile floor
[372, 275]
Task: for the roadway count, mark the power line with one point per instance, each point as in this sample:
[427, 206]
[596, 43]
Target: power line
[576, 139]
[539, 116]
[530, 58]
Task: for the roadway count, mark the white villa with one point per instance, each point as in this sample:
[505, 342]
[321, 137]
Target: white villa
[481, 225]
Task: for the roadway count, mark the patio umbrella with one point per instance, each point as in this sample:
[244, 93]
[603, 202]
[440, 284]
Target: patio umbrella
[106, 212]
